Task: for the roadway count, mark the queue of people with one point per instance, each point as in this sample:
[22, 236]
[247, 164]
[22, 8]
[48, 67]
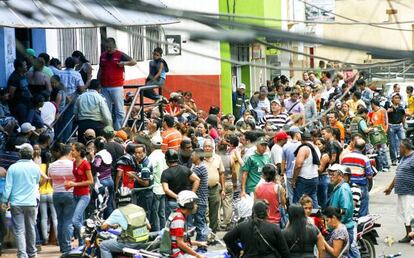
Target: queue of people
[274, 157]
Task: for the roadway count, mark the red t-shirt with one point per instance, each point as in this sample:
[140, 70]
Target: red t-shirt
[126, 180]
[80, 175]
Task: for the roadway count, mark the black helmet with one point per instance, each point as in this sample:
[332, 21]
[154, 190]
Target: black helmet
[171, 156]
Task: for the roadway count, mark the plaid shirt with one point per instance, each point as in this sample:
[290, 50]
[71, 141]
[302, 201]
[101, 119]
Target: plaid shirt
[71, 79]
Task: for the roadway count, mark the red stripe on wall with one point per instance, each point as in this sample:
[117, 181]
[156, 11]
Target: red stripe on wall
[205, 88]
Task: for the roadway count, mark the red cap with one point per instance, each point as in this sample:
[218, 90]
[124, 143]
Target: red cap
[281, 135]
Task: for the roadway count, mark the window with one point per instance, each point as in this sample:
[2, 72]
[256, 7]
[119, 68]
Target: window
[153, 38]
[240, 52]
[84, 40]
[136, 43]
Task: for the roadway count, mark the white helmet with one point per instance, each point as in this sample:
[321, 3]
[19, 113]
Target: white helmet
[186, 199]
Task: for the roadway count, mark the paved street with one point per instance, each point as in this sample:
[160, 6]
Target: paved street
[379, 204]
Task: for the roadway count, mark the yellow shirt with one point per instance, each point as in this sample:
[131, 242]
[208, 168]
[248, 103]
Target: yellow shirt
[410, 102]
[46, 188]
[353, 105]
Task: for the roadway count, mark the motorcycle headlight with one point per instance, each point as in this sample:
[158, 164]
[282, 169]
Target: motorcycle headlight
[82, 232]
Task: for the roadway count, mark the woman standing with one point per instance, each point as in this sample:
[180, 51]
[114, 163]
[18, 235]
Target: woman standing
[338, 238]
[82, 66]
[301, 236]
[83, 179]
[323, 184]
[270, 192]
[60, 172]
[102, 167]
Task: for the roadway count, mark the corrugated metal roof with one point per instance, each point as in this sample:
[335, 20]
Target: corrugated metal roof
[52, 14]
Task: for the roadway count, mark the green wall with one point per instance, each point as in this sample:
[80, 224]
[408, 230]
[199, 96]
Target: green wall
[259, 8]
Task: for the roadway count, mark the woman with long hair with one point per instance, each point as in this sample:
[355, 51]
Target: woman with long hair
[83, 180]
[323, 184]
[82, 66]
[258, 237]
[301, 236]
[336, 245]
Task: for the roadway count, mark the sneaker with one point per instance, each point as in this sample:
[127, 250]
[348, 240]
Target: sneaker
[385, 170]
[406, 239]
[412, 242]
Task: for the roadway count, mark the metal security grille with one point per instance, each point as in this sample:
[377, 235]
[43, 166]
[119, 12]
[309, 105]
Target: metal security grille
[153, 33]
[67, 43]
[89, 44]
[136, 43]
[84, 40]
[240, 52]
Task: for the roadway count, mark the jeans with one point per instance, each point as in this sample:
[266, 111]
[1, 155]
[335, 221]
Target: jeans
[200, 223]
[395, 134]
[353, 247]
[65, 205]
[81, 203]
[151, 92]
[363, 211]
[115, 99]
[144, 200]
[158, 212]
[382, 159]
[24, 223]
[213, 206]
[290, 190]
[323, 186]
[306, 186]
[227, 204]
[2, 226]
[109, 184]
[45, 201]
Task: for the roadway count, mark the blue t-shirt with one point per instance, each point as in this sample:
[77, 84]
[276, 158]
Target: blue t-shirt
[289, 156]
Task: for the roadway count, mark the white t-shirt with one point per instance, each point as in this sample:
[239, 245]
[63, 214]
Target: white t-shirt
[48, 112]
[276, 154]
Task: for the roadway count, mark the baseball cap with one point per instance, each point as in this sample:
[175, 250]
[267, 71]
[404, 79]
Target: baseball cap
[89, 133]
[275, 101]
[241, 86]
[30, 52]
[25, 146]
[262, 140]
[281, 135]
[122, 135]
[156, 140]
[347, 171]
[109, 131]
[338, 167]
[294, 129]
[264, 90]
[27, 127]
[305, 135]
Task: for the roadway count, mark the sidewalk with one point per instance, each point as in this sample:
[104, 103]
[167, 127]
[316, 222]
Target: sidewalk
[48, 251]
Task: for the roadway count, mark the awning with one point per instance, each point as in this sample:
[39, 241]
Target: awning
[59, 14]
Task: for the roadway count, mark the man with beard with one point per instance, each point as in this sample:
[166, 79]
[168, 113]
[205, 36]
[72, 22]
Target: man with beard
[309, 104]
[184, 153]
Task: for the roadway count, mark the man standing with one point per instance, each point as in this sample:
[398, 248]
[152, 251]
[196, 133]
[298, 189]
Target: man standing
[252, 168]
[216, 182]
[334, 148]
[309, 104]
[396, 119]
[176, 178]
[305, 177]
[20, 96]
[366, 93]
[288, 158]
[293, 105]
[111, 75]
[342, 198]
[403, 185]
[410, 100]
[333, 119]
[240, 101]
[22, 190]
[276, 153]
[171, 137]
[361, 172]
[92, 111]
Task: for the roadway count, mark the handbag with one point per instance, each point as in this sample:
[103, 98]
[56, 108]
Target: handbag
[377, 136]
[283, 215]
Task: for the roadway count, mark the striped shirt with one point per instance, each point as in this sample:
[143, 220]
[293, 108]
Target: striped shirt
[356, 197]
[60, 171]
[177, 227]
[202, 191]
[171, 139]
[404, 176]
[360, 167]
[278, 121]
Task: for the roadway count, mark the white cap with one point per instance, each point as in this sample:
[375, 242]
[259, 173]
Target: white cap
[241, 86]
[26, 146]
[338, 167]
[27, 127]
[156, 140]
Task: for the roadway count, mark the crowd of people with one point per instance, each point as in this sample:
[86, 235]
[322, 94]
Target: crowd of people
[284, 151]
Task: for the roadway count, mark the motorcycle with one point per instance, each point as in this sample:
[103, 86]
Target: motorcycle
[367, 235]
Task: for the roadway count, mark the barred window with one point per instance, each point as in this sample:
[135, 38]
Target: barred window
[240, 52]
[136, 43]
[153, 37]
[84, 40]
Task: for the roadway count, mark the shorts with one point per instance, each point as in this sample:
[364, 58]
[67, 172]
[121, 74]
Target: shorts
[405, 208]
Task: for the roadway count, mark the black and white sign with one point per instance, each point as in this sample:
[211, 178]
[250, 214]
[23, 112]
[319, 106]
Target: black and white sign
[174, 45]
[320, 10]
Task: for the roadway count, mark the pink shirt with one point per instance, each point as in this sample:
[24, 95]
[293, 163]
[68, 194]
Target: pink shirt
[61, 171]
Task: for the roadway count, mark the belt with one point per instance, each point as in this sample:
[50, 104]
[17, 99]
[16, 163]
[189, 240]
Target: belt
[396, 124]
[214, 186]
